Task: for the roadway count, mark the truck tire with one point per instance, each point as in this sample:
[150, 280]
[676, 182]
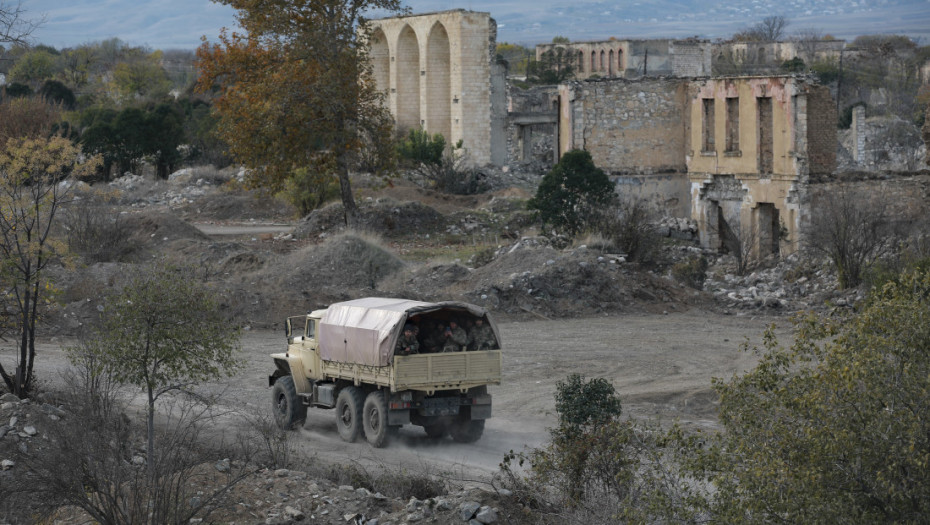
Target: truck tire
[349, 413]
[436, 431]
[467, 430]
[289, 412]
[375, 419]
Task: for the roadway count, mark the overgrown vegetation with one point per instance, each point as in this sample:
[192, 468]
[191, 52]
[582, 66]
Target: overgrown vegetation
[833, 425]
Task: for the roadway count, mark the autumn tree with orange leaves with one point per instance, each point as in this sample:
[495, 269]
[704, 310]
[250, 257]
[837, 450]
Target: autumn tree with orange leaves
[295, 91]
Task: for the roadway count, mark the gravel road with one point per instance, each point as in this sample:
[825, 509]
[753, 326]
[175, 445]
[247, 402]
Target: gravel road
[661, 365]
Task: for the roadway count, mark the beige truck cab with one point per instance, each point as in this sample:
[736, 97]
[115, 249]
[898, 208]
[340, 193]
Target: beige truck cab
[344, 358]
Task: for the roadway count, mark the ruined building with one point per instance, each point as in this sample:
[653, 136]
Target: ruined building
[437, 71]
[734, 154]
[635, 58]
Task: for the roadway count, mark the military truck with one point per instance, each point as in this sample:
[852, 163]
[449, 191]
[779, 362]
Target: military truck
[343, 358]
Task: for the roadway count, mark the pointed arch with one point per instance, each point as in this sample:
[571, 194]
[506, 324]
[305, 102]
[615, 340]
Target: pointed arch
[610, 63]
[438, 82]
[380, 55]
[602, 65]
[407, 58]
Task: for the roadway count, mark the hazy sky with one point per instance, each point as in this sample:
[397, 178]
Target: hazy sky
[167, 24]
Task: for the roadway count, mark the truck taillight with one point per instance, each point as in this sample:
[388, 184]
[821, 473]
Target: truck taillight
[400, 405]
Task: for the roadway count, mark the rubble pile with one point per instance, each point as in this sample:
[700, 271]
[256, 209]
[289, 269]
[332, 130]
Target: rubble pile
[787, 287]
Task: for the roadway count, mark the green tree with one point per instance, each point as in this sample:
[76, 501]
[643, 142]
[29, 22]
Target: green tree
[54, 92]
[31, 193]
[554, 66]
[34, 67]
[164, 133]
[296, 89]
[164, 333]
[571, 193]
[583, 405]
[516, 57]
[835, 425]
[141, 77]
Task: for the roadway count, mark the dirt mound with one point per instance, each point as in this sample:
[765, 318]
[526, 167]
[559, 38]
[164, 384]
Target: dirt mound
[344, 267]
[238, 206]
[532, 277]
[152, 229]
[385, 217]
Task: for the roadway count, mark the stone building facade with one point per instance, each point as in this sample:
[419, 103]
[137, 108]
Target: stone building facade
[754, 143]
[636, 58]
[766, 57]
[436, 70]
[734, 154]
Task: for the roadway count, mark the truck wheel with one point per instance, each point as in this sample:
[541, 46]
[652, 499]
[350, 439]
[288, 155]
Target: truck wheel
[439, 430]
[375, 419]
[349, 413]
[467, 430]
[289, 412]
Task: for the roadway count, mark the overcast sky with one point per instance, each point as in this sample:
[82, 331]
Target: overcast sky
[179, 24]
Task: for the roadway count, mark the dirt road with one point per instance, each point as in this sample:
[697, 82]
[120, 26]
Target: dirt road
[661, 365]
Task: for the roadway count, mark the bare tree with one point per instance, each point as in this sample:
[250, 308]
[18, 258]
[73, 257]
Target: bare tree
[853, 229]
[807, 40]
[771, 28]
[15, 28]
[31, 193]
[740, 240]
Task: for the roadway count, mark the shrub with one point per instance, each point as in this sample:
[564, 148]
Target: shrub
[308, 190]
[692, 272]
[421, 147]
[834, 425]
[571, 194]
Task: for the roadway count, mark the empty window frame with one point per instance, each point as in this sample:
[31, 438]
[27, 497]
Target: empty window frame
[708, 144]
[732, 125]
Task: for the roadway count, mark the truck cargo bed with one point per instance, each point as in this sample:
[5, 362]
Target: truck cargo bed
[426, 372]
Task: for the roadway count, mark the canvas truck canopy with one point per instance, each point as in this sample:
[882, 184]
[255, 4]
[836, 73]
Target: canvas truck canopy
[365, 331]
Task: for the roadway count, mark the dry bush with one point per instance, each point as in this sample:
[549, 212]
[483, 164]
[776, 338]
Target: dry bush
[99, 234]
[94, 464]
[691, 272]
[273, 444]
[854, 230]
[629, 225]
[26, 117]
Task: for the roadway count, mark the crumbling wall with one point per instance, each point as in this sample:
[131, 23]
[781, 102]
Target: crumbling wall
[631, 126]
[877, 144]
[690, 58]
[821, 130]
[532, 127]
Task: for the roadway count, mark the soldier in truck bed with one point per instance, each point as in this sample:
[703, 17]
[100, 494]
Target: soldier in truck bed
[481, 337]
[455, 338]
[407, 343]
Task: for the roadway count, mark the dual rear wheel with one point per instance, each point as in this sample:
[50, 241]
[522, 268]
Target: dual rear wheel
[357, 414]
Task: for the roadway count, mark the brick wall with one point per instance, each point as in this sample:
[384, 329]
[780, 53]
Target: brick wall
[821, 130]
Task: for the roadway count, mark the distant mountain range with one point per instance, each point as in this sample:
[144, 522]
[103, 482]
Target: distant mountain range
[180, 23]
